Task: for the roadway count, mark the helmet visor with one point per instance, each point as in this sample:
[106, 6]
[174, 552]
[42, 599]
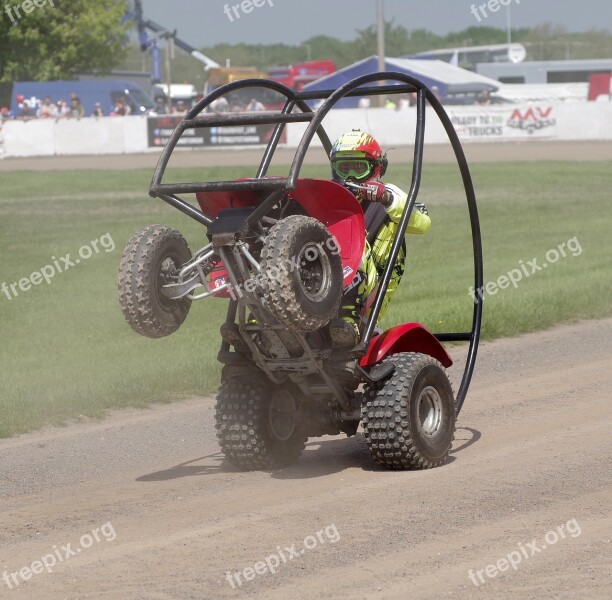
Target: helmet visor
[352, 167]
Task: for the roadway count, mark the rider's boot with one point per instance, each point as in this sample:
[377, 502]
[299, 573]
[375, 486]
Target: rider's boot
[231, 334]
[344, 329]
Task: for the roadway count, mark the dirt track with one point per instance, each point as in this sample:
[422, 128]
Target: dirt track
[533, 452]
[475, 152]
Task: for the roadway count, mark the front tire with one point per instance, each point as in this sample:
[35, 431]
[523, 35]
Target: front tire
[152, 258]
[256, 423]
[409, 419]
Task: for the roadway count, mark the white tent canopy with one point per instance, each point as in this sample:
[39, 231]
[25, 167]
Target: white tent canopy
[433, 73]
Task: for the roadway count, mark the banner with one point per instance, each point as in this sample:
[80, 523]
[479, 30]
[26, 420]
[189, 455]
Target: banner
[160, 129]
[507, 122]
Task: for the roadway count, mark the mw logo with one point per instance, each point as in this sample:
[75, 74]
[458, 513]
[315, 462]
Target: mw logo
[534, 114]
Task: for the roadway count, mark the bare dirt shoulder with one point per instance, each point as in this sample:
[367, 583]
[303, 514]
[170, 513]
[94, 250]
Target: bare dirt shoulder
[533, 452]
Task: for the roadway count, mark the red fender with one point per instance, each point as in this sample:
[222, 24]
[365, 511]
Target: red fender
[325, 200]
[409, 337]
[333, 205]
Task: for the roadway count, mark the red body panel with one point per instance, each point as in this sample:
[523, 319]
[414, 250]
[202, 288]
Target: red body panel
[325, 200]
[600, 85]
[297, 76]
[409, 337]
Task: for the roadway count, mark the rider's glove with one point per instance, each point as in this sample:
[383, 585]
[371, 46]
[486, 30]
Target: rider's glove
[375, 191]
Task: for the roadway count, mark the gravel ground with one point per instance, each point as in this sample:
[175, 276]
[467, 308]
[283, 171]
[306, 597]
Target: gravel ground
[533, 453]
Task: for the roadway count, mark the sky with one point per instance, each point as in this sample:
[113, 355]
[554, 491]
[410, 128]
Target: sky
[205, 23]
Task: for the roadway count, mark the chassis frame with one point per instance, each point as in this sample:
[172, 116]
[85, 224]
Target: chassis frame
[272, 190]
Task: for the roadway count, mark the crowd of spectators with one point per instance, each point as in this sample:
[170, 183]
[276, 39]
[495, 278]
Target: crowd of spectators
[222, 105]
[402, 101]
[47, 109]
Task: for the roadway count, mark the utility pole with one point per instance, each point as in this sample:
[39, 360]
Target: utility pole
[380, 27]
[169, 59]
[509, 24]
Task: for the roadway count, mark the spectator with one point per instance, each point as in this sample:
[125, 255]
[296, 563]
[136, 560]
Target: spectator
[485, 98]
[47, 109]
[255, 105]
[364, 102]
[97, 111]
[235, 105]
[61, 109]
[5, 114]
[389, 104]
[220, 105]
[23, 108]
[181, 108]
[435, 90]
[75, 110]
[25, 113]
[160, 106]
[403, 102]
[120, 109]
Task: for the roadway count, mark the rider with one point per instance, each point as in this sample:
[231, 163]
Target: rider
[358, 163]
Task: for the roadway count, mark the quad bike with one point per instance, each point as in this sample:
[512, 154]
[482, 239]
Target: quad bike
[282, 251]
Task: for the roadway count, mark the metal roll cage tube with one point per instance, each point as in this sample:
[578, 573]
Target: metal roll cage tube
[278, 186]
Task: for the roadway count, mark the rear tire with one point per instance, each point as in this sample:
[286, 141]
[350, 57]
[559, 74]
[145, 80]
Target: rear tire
[307, 296]
[152, 258]
[409, 419]
[256, 423]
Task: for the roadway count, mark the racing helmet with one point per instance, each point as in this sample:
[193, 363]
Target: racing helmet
[357, 156]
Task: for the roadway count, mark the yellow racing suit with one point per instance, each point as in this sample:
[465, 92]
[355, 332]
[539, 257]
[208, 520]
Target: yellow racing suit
[358, 296]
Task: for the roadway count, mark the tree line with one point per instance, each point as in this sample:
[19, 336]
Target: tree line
[89, 36]
[544, 42]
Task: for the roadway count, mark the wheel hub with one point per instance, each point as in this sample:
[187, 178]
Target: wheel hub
[168, 273]
[429, 412]
[282, 415]
[315, 272]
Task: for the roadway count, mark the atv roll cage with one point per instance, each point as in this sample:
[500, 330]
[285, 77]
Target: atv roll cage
[273, 189]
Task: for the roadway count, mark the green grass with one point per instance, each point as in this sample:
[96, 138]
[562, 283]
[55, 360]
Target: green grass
[66, 350]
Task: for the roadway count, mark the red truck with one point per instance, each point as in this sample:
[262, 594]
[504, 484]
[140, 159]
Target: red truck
[297, 76]
[600, 85]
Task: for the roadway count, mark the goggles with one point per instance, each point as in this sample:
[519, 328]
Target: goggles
[357, 168]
